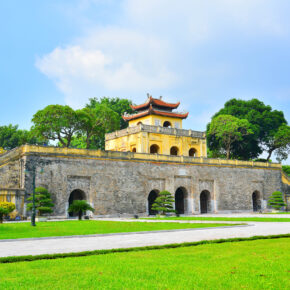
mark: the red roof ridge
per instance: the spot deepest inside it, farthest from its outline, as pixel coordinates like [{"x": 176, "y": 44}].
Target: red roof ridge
[{"x": 157, "y": 102}]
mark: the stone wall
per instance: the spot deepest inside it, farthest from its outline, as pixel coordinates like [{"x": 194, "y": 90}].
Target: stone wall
[{"x": 115, "y": 183}]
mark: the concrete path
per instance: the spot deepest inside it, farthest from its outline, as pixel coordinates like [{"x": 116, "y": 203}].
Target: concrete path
[{"x": 78, "y": 244}]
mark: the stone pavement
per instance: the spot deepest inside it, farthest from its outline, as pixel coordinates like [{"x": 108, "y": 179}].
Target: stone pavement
[{"x": 39, "y": 246}]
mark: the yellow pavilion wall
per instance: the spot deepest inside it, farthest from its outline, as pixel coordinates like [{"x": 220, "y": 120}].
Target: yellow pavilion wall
[{"x": 150, "y": 120}]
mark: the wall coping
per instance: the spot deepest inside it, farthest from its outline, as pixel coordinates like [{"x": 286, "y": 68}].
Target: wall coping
[{"x": 27, "y": 150}]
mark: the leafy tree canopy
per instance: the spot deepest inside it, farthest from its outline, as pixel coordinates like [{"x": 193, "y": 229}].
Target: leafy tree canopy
[
  {"x": 56, "y": 122},
  {"x": 227, "y": 129},
  {"x": 264, "y": 123},
  {"x": 286, "y": 169},
  {"x": 11, "y": 137},
  {"x": 80, "y": 206}
]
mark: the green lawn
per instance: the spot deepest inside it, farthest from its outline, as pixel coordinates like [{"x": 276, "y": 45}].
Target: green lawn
[
  {"x": 242, "y": 219},
  {"x": 69, "y": 228},
  {"x": 260, "y": 264}
]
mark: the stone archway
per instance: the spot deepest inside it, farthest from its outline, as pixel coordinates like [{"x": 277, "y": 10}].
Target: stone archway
[
  {"x": 174, "y": 150},
  {"x": 180, "y": 200},
  {"x": 204, "y": 201},
  {"x": 151, "y": 199},
  {"x": 256, "y": 201},
  {"x": 76, "y": 194},
  {"x": 154, "y": 149},
  {"x": 192, "y": 152}
]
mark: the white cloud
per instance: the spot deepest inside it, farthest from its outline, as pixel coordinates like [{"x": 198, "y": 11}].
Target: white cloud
[{"x": 143, "y": 52}]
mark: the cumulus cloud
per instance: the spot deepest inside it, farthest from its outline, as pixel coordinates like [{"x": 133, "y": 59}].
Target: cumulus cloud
[{"x": 152, "y": 46}]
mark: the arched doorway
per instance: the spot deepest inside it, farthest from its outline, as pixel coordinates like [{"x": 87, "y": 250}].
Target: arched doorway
[
  {"x": 192, "y": 152},
  {"x": 76, "y": 194},
  {"x": 180, "y": 198},
  {"x": 154, "y": 149},
  {"x": 167, "y": 124},
  {"x": 204, "y": 201},
  {"x": 256, "y": 200},
  {"x": 174, "y": 150},
  {"x": 134, "y": 149},
  {"x": 151, "y": 199}
]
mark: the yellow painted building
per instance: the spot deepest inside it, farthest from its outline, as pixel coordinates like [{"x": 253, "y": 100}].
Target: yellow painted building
[{"x": 156, "y": 128}]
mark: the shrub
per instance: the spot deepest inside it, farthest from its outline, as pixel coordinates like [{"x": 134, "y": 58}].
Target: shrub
[
  {"x": 286, "y": 169},
  {"x": 6, "y": 208},
  {"x": 276, "y": 200},
  {"x": 43, "y": 201},
  {"x": 80, "y": 206},
  {"x": 163, "y": 203}
]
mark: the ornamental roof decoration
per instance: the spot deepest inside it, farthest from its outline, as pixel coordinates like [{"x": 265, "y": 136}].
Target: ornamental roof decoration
[{"x": 155, "y": 107}]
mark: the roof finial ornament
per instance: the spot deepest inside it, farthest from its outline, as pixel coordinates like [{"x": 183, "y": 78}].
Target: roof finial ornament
[{"x": 160, "y": 97}]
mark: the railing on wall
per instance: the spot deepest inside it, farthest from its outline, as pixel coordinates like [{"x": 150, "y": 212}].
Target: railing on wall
[{"x": 155, "y": 129}]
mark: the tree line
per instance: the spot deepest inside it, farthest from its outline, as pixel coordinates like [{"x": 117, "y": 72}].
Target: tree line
[{"x": 240, "y": 130}]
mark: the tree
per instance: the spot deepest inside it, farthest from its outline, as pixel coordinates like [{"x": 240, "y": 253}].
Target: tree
[
  {"x": 56, "y": 122},
  {"x": 286, "y": 169},
  {"x": 120, "y": 106},
  {"x": 228, "y": 129},
  {"x": 80, "y": 206},
  {"x": 11, "y": 137},
  {"x": 276, "y": 200},
  {"x": 263, "y": 121},
  {"x": 43, "y": 201},
  {"x": 6, "y": 208},
  {"x": 163, "y": 202},
  {"x": 279, "y": 141},
  {"x": 94, "y": 123}
]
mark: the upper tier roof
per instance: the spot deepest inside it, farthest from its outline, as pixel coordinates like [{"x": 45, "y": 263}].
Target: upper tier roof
[
  {"x": 152, "y": 111},
  {"x": 155, "y": 103}
]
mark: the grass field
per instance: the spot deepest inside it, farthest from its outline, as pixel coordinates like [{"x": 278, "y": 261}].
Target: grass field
[
  {"x": 241, "y": 219},
  {"x": 260, "y": 264},
  {"x": 70, "y": 228}
]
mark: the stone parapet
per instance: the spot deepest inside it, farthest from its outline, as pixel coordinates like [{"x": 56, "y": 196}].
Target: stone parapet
[
  {"x": 27, "y": 150},
  {"x": 155, "y": 129}
]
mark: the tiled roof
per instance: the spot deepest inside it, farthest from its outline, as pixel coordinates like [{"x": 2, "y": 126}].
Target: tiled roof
[{"x": 156, "y": 102}]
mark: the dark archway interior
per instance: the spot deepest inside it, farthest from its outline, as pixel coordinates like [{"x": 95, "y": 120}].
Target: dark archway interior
[
  {"x": 192, "y": 152},
  {"x": 167, "y": 124},
  {"x": 151, "y": 199},
  {"x": 204, "y": 201},
  {"x": 174, "y": 150},
  {"x": 179, "y": 200},
  {"x": 77, "y": 194},
  {"x": 256, "y": 201},
  {"x": 154, "y": 149},
  {"x": 134, "y": 149}
]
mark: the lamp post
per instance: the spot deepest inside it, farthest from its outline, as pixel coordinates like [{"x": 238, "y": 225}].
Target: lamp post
[{"x": 33, "y": 198}]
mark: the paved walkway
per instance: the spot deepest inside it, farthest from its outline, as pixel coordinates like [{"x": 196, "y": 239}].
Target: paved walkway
[{"x": 78, "y": 244}]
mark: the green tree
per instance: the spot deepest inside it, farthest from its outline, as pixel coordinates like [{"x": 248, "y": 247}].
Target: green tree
[
  {"x": 94, "y": 124},
  {"x": 56, "y": 122},
  {"x": 43, "y": 201},
  {"x": 120, "y": 106},
  {"x": 6, "y": 208},
  {"x": 279, "y": 141},
  {"x": 80, "y": 206},
  {"x": 11, "y": 137},
  {"x": 227, "y": 129},
  {"x": 276, "y": 200},
  {"x": 163, "y": 203},
  {"x": 263, "y": 121},
  {"x": 286, "y": 169}
]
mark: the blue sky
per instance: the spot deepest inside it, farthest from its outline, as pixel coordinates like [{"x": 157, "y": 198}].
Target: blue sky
[{"x": 201, "y": 53}]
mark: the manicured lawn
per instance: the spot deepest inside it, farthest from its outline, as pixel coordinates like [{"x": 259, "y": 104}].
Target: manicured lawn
[
  {"x": 241, "y": 219},
  {"x": 70, "y": 228},
  {"x": 260, "y": 264}
]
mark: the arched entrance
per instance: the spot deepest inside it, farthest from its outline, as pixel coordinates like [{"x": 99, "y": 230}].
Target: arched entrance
[
  {"x": 154, "y": 149},
  {"x": 204, "y": 201},
  {"x": 180, "y": 198},
  {"x": 167, "y": 124},
  {"x": 174, "y": 150},
  {"x": 256, "y": 200},
  {"x": 151, "y": 199},
  {"x": 76, "y": 194},
  {"x": 192, "y": 152}
]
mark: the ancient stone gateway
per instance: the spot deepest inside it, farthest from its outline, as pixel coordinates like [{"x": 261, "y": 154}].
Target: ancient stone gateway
[{"x": 117, "y": 183}]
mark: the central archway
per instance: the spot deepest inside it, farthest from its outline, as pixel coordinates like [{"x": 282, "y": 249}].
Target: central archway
[
  {"x": 180, "y": 198},
  {"x": 256, "y": 200},
  {"x": 204, "y": 201},
  {"x": 154, "y": 149},
  {"x": 151, "y": 199},
  {"x": 174, "y": 150},
  {"x": 76, "y": 194}
]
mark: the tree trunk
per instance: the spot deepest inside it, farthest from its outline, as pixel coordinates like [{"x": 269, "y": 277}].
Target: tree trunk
[
  {"x": 270, "y": 153},
  {"x": 1, "y": 218},
  {"x": 228, "y": 152},
  {"x": 80, "y": 215}
]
